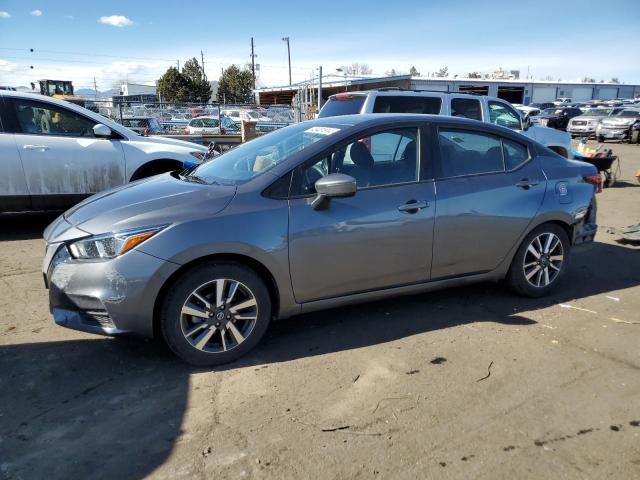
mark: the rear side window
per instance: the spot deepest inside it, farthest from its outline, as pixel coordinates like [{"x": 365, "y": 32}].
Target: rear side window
[
  {"x": 515, "y": 154},
  {"x": 342, "y": 104},
  {"x": 467, "y": 108},
  {"x": 407, "y": 104},
  {"x": 465, "y": 152}
]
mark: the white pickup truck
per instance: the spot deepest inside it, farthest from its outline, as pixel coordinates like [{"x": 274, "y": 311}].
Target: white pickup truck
[{"x": 476, "y": 107}]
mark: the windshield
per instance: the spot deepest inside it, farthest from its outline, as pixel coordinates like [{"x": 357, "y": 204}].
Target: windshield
[
  {"x": 253, "y": 115},
  {"x": 342, "y": 104},
  {"x": 549, "y": 111},
  {"x": 598, "y": 112},
  {"x": 260, "y": 155},
  {"x": 629, "y": 113}
]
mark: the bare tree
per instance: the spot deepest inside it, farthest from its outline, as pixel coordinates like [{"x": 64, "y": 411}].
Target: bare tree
[
  {"x": 474, "y": 75},
  {"x": 588, "y": 80},
  {"x": 359, "y": 69},
  {"x": 614, "y": 80},
  {"x": 391, "y": 73},
  {"x": 414, "y": 72}
]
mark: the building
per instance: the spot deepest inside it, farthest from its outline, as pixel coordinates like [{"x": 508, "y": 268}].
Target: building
[
  {"x": 511, "y": 89},
  {"x": 136, "y": 93}
]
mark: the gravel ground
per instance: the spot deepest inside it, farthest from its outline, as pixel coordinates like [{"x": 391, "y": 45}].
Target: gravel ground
[{"x": 467, "y": 383}]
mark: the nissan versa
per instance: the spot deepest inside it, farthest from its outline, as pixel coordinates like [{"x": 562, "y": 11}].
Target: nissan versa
[{"x": 316, "y": 215}]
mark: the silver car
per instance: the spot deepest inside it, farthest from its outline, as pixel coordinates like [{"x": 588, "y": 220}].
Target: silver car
[
  {"x": 317, "y": 215},
  {"x": 585, "y": 124}
]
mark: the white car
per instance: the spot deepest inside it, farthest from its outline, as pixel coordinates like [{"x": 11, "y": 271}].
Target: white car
[
  {"x": 249, "y": 115},
  {"x": 476, "y": 107},
  {"x": 54, "y": 153},
  {"x": 562, "y": 100},
  {"x": 203, "y": 125}
]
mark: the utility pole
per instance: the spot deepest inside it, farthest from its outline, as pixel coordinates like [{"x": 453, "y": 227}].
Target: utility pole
[
  {"x": 95, "y": 89},
  {"x": 202, "y": 57},
  {"x": 286, "y": 39},
  {"x": 178, "y": 63},
  {"x": 253, "y": 65},
  {"x": 319, "y": 88}
]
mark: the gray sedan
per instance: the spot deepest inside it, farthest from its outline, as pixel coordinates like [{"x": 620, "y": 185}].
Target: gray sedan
[{"x": 317, "y": 215}]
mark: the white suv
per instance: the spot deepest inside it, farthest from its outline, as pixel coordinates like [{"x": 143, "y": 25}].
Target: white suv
[
  {"x": 476, "y": 107},
  {"x": 54, "y": 153}
]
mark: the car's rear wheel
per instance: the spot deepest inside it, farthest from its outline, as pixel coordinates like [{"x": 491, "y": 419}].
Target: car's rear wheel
[
  {"x": 600, "y": 139},
  {"x": 215, "y": 313},
  {"x": 635, "y": 136},
  {"x": 541, "y": 261}
]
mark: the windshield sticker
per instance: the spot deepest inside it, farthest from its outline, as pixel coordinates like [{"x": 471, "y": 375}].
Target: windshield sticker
[{"x": 322, "y": 130}]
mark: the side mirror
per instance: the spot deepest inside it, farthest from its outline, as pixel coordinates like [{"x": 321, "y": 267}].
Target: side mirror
[
  {"x": 526, "y": 123},
  {"x": 334, "y": 185},
  {"x": 101, "y": 131}
]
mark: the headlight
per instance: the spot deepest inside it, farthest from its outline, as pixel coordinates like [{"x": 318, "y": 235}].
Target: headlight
[
  {"x": 111, "y": 245},
  {"x": 198, "y": 155}
]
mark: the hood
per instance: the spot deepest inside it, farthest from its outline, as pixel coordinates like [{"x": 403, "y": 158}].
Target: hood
[
  {"x": 622, "y": 122},
  {"x": 171, "y": 141},
  {"x": 154, "y": 201}
]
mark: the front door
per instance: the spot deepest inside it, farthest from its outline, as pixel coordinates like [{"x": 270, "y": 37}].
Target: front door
[
  {"x": 63, "y": 162},
  {"x": 379, "y": 238},
  {"x": 489, "y": 188}
]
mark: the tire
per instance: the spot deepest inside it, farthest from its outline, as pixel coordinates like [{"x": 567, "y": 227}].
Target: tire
[
  {"x": 600, "y": 139},
  {"x": 517, "y": 278},
  {"x": 214, "y": 335},
  {"x": 635, "y": 136}
]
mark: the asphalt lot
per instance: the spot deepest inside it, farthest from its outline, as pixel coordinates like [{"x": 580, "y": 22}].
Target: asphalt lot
[{"x": 467, "y": 383}]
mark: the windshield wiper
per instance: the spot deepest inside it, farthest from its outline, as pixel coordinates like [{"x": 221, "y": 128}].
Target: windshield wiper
[{"x": 193, "y": 179}]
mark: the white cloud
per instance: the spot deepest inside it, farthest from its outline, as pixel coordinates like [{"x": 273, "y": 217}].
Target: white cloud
[
  {"x": 5, "y": 15},
  {"x": 36, "y": 13},
  {"x": 116, "y": 21},
  {"x": 69, "y": 17}
]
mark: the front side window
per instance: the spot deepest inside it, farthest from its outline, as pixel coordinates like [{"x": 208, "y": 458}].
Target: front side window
[
  {"x": 503, "y": 115},
  {"x": 39, "y": 118},
  {"x": 467, "y": 108},
  {"x": 385, "y": 158},
  {"x": 407, "y": 104},
  {"x": 465, "y": 152}
]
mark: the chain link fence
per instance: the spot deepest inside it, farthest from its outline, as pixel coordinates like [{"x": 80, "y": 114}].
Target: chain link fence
[{"x": 182, "y": 118}]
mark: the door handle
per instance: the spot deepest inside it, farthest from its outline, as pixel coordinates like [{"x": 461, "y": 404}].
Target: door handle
[
  {"x": 526, "y": 184},
  {"x": 413, "y": 206},
  {"x": 36, "y": 147}
]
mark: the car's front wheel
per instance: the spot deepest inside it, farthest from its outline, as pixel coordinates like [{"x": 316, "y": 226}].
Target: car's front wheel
[
  {"x": 215, "y": 313},
  {"x": 541, "y": 261}
]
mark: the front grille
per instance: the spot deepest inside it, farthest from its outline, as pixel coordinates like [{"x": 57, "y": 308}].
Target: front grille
[
  {"x": 579, "y": 122},
  {"x": 96, "y": 318}
]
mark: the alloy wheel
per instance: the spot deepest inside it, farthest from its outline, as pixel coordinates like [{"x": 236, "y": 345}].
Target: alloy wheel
[
  {"x": 219, "y": 315},
  {"x": 543, "y": 260}
]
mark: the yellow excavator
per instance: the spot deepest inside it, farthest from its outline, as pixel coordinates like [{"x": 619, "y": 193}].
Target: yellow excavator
[{"x": 61, "y": 89}]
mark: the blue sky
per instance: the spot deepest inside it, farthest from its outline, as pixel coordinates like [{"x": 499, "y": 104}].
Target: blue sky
[{"x": 138, "y": 40}]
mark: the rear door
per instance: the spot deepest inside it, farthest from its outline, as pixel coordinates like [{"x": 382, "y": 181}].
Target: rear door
[
  {"x": 14, "y": 195},
  {"x": 489, "y": 188},
  {"x": 63, "y": 162}
]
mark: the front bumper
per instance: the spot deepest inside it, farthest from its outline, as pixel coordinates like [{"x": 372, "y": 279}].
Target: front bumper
[
  {"x": 576, "y": 129},
  {"x": 107, "y": 297},
  {"x": 613, "y": 133}
]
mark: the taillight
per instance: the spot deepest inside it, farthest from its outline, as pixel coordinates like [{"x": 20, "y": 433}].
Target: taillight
[
  {"x": 147, "y": 132},
  {"x": 186, "y": 131},
  {"x": 595, "y": 180}
]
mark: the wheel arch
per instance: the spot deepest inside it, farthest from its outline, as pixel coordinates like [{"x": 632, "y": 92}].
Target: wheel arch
[
  {"x": 158, "y": 165},
  {"x": 560, "y": 150},
  {"x": 259, "y": 268}
]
